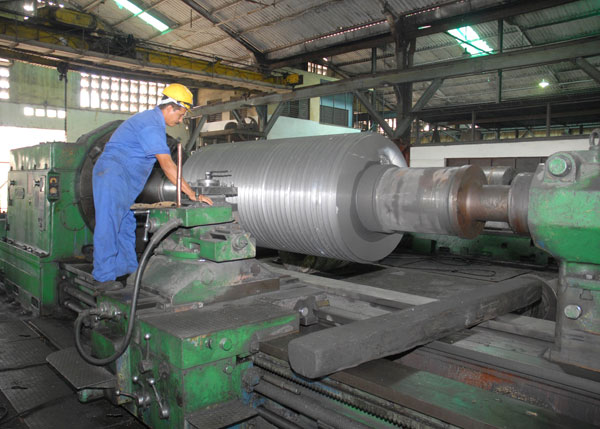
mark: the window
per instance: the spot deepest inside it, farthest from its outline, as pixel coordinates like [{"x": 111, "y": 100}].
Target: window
[
  {"x": 334, "y": 116},
  {"x": 297, "y": 109},
  {"x": 41, "y": 112},
  {"x": 118, "y": 95},
  {"x": 4, "y": 79},
  {"x": 317, "y": 68},
  {"x": 215, "y": 117},
  {"x": 472, "y": 44}
]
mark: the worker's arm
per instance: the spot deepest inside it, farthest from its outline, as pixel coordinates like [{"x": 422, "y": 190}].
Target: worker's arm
[{"x": 170, "y": 170}]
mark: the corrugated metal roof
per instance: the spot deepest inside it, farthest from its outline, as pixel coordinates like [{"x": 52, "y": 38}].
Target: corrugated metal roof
[{"x": 284, "y": 28}]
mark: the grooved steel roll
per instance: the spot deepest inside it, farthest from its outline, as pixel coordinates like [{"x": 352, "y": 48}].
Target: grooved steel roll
[{"x": 298, "y": 194}]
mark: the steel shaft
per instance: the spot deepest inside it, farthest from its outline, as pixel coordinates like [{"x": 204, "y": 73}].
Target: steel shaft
[{"x": 331, "y": 350}]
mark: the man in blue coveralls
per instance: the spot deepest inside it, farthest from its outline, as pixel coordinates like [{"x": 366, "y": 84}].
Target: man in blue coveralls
[{"x": 120, "y": 175}]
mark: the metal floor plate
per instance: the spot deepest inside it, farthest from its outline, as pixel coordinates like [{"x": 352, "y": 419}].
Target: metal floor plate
[
  {"x": 58, "y": 332},
  {"x": 31, "y": 387},
  {"x": 78, "y": 372},
  {"x": 17, "y": 354},
  {"x": 16, "y": 330},
  {"x": 221, "y": 415},
  {"x": 70, "y": 413}
]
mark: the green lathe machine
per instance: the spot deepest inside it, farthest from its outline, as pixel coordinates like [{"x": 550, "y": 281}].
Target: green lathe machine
[{"x": 204, "y": 335}]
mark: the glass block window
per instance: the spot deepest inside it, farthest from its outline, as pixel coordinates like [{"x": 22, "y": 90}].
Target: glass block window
[
  {"x": 118, "y": 95},
  {"x": 44, "y": 112},
  {"x": 4, "y": 80}
]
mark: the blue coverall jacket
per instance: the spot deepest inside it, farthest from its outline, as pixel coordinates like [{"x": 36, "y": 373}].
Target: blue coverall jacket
[{"x": 119, "y": 176}]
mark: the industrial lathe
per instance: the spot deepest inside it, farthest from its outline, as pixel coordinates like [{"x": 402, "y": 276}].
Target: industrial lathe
[{"x": 207, "y": 335}]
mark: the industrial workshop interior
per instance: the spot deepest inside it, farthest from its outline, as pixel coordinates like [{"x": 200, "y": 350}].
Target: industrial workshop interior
[{"x": 351, "y": 214}]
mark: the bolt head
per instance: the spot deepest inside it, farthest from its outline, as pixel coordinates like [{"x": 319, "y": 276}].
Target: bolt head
[
  {"x": 226, "y": 344},
  {"x": 303, "y": 311},
  {"x": 573, "y": 311},
  {"x": 228, "y": 369},
  {"x": 559, "y": 166}
]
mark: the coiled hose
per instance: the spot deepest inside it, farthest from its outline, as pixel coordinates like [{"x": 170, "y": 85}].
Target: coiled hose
[{"x": 156, "y": 238}]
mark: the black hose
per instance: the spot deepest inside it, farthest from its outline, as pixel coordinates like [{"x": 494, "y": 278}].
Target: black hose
[{"x": 156, "y": 238}]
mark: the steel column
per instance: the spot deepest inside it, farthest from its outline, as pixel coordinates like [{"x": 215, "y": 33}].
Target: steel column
[
  {"x": 375, "y": 114},
  {"x": 273, "y": 118},
  {"x": 404, "y": 124}
]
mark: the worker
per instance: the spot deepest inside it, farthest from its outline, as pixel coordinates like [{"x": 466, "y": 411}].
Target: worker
[{"x": 120, "y": 175}]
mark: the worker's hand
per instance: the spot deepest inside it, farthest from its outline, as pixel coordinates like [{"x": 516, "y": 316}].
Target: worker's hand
[
  {"x": 200, "y": 198},
  {"x": 205, "y": 200}
]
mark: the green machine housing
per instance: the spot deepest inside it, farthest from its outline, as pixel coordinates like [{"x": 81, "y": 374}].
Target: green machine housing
[{"x": 46, "y": 221}]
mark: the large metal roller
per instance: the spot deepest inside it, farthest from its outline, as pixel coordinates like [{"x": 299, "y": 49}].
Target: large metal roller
[
  {"x": 348, "y": 196},
  {"x": 299, "y": 194}
]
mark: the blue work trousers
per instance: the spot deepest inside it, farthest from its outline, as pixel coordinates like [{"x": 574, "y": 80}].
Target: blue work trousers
[{"x": 114, "y": 234}]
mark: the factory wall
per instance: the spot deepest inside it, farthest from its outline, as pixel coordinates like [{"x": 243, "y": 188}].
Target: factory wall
[
  {"x": 292, "y": 127},
  {"x": 40, "y": 87},
  {"x": 436, "y": 155}
]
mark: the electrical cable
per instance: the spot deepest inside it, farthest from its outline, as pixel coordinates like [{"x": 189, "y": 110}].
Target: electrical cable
[{"x": 156, "y": 238}]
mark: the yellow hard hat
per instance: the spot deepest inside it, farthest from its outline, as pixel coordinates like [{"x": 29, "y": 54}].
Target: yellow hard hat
[{"x": 180, "y": 94}]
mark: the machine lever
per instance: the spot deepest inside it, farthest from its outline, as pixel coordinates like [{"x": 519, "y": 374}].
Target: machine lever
[
  {"x": 145, "y": 364},
  {"x": 164, "y": 410},
  {"x": 140, "y": 400},
  {"x": 147, "y": 226}
]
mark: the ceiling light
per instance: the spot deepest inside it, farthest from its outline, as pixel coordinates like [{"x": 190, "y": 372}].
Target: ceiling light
[
  {"x": 129, "y": 6},
  {"x": 153, "y": 22},
  {"x": 144, "y": 16},
  {"x": 543, "y": 83},
  {"x": 28, "y": 7}
]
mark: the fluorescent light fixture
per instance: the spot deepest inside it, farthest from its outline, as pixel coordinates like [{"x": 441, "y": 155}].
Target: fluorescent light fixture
[
  {"x": 154, "y": 22},
  {"x": 474, "y": 45},
  {"x": 543, "y": 83},
  {"x": 144, "y": 16},
  {"x": 129, "y": 6},
  {"x": 28, "y": 7},
  {"x": 423, "y": 27}
]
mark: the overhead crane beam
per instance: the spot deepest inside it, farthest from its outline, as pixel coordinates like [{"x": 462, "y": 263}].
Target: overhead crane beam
[{"x": 65, "y": 46}]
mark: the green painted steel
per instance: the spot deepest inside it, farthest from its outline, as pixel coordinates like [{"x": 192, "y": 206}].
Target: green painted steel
[
  {"x": 564, "y": 220},
  {"x": 197, "y": 357},
  {"x": 193, "y": 216},
  {"x": 44, "y": 225},
  {"x": 216, "y": 243}
]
